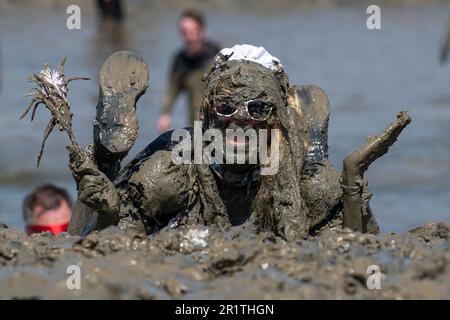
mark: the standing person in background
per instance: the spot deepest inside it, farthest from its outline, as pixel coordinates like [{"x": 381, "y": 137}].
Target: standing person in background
[
  {"x": 110, "y": 9},
  {"x": 112, "y": 34},
  {"x": 1, "y": 75},
  {"x": 188, "y": 66},
  {"x": 47, "y": 208},
  {"x": 445, "y": 45}
]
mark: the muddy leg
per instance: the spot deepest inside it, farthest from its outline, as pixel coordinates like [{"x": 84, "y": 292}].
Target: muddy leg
[
  {"x": 357, "y": 215},
  {"x": 123, "y": 79}
]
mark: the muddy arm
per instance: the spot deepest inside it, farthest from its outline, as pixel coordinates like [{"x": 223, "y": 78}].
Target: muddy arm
[
  {"x": 356, "y": 197},
  {"x": 98, "y": 203}
]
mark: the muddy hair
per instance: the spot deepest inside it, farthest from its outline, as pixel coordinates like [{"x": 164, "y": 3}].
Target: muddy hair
[
  {"x": 195, "y": 15},
  {"x": 278, "y": 205}
]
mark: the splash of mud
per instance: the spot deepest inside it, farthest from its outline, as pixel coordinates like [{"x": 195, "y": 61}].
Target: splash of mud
[{"x": 203, "y": 263}]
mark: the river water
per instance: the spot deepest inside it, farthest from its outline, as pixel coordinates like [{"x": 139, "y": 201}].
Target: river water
[{"x": 369, "y": 75}]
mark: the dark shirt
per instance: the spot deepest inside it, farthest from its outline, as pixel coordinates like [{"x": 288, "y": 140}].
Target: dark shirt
[
  {"x": 110, "y": 9},
  {"x": 186, "y": 74}
]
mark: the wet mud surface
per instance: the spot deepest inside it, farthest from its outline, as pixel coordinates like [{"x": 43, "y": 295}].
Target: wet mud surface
[{"x": 205, "y": 263}]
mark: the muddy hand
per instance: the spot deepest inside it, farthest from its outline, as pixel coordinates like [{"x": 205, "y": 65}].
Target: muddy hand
[
  {"x": 94, "y": 189},
  {"x": 97, "y": 192},
  {"x": 356, "y": 196}
]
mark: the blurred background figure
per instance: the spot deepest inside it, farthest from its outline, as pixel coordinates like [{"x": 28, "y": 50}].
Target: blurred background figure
[
  {"x": 1, "y": 67},
  {"x": 112, "y": 33},
  {"x": 110, "y": 9},
  {"x": 47, "y": 208},
  {"x": 445, "y": 46},
  {"x": 188, "y": 66}
]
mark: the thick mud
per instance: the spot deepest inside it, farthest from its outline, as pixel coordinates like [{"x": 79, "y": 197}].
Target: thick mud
[{"x": 205, "y": 263}]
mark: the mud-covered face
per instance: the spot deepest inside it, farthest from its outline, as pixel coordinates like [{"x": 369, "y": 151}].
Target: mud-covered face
[{"x": 243, "y": 96}]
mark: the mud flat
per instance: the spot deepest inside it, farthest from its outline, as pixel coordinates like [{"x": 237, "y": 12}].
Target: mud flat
[{"x": 204, "y": 263}]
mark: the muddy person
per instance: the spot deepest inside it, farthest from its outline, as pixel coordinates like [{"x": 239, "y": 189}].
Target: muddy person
[
  {"x": 188, "y": 66},
  {"x": 47, "y": 208},
  {"x": 246, "y": 88}
]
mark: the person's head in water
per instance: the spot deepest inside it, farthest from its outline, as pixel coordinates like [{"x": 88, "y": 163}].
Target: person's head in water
[
  {"x": 47, "y": 208},
  {"x": 191, "y": 24}
]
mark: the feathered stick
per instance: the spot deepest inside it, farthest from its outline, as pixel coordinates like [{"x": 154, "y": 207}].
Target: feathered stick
[{"x": 51, "y": 90}]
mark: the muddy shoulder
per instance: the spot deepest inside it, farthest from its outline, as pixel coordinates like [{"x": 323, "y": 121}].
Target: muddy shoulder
[{"x": 202, "y": 262}]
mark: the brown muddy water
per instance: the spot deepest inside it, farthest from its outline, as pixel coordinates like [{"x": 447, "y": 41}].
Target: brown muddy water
[
  {"x": 204, "y": 263},
  {"x": 368, "y": 75}
]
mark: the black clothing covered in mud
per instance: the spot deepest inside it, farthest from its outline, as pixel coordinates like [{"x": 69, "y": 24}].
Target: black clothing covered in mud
[
  {"x": 157, "y": 193},
  {"x": 169, "y": 194},
  {"x": 186, "y": 75}
]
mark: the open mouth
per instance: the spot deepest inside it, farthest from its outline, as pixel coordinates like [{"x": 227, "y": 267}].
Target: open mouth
[
  {"x": 238, "y": 140},
  {"x": 246, "y": 137}
]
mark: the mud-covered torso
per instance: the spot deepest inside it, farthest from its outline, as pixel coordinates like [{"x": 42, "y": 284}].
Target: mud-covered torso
[
  {"x": 238, "y": 196},
  {"x": 159, "y": 193},
  {"x": 238, "y": 202}
]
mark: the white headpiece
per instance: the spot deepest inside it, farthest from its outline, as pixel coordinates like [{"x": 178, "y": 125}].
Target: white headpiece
[{"x": 252, "y": 53}]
